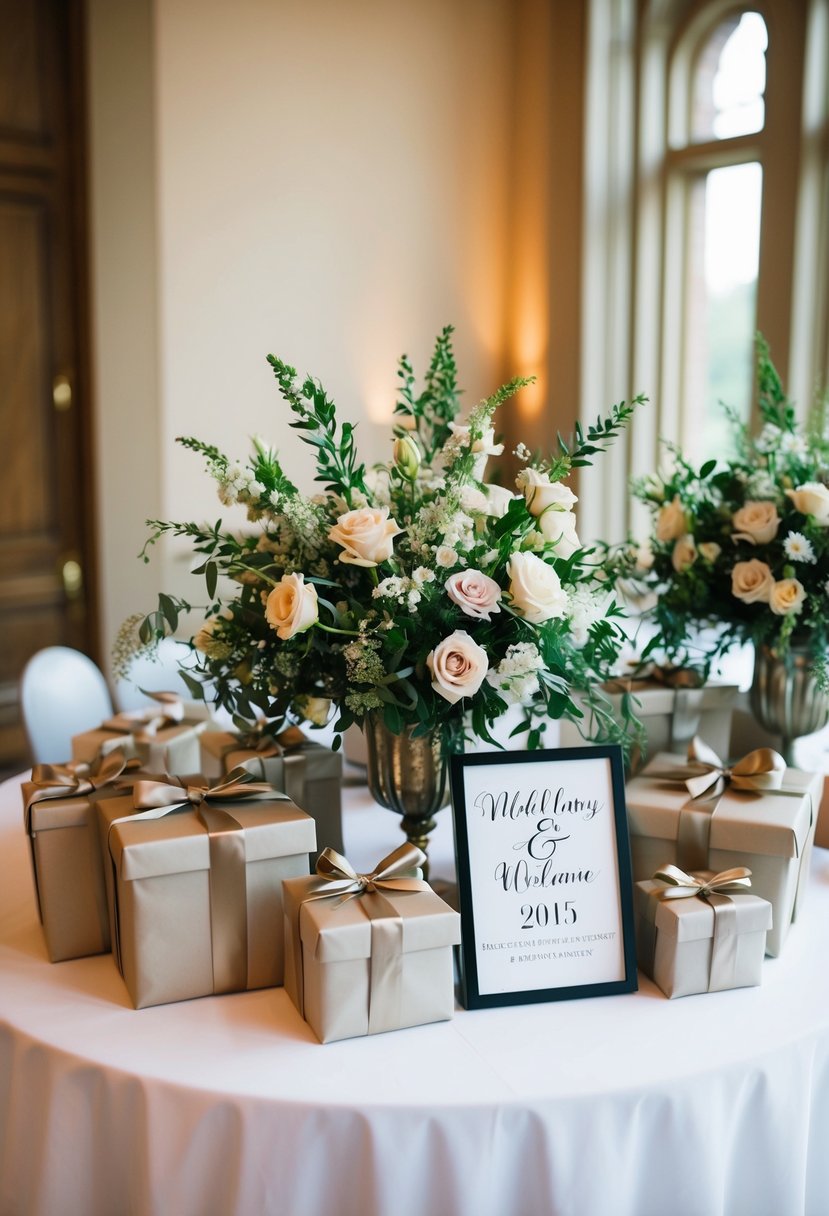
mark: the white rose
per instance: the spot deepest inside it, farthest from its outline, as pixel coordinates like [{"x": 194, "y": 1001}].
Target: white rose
[
  {"x": 475, "y": 593},
  {"x": 752, "y": 582},
  {"x": 292, "y": 606},
  {"x": 787, "y": 596},
  {"x": 535, "y": 588},
  {"x": 559, "y": 528},
  {"x": 684, "y": 554},
  {"x": 366, "y": 535},
  {"x": 756, "y": 522},
  {"x": 458, "y": 666},
  {"x": 709, "y": 551},
  {"x": 672, "y": 521},
  {"x": 812, "y": 498},
  {"x": 498, "y": 499},
  {"x": 541, "y": 493},
  {"x": 473, "y": 499}
]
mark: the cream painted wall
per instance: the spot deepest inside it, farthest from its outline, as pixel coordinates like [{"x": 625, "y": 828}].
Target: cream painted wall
[{"x": 325, "y": 179}]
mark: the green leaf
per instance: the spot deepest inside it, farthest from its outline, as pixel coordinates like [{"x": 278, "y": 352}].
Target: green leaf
[
  {"x": 169, "y": 610},
  {"x": 211, "y": 577}
]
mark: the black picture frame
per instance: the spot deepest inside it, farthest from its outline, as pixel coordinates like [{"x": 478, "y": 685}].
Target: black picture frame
[{"x": 478, "y": 881}]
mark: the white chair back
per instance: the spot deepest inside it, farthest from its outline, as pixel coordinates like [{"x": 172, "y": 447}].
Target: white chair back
[{"x": 62, "y": 693}]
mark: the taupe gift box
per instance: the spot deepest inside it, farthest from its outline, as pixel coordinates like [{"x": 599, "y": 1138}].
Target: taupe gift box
[
  {"x": 164, "y": 739},
  {"x": 368, "y": 954},
  {"x": 770, "y": 832},
  {"x": 198, "y": 889},
  {"x": 672, "y": 717},
  {"x": 710, "y": 941},
  {"x": 68, "y": 871},
  {"x": 311, "y": 775}
]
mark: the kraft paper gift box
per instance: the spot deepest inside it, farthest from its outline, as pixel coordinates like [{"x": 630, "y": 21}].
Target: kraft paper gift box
[
  {"x": 197, "y": 906},
  {"x": 60, "y": 819},
  {"x": 695, "y": 944},
  {"x": 379, "y": 960},
  {"x": 311, "y": 775},
  {"x": 162, "y": 744},
  {"x": 671, "y": 717},
  {"x": 770, "y": 832}
]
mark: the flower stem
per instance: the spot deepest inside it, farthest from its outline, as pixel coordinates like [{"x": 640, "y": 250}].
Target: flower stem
[{"x": 349, "y": 633}]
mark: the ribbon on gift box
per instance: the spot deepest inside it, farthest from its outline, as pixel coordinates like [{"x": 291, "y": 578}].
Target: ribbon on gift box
[
  {"x": 73, "y": 779},
  {"x": 706, "y": 779},
  {"x": 716, "y": 890},
  {"x": 687, "y": 686},
  {"x": 227, "y": 875},
  {"x": 290, "y": 745},
  {"x": 339, "y": 880},
  {"x": 144, "y": 724}
]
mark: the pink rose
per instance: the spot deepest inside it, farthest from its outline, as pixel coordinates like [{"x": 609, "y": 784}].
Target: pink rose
[
  {"x": 458, "y": 666},
  {"x": 475, "y": 593},
  {"x": 366, "y": 535}
]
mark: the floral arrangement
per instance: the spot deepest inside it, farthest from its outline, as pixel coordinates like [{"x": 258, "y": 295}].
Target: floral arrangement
[
  {"x": 743, "y": 544},
  {"x": 414, "y": 589}
]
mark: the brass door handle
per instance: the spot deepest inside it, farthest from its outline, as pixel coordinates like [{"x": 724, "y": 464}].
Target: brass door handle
[
  {"x": 61, "y": 393},
  {"x": 71, "y": 573}
]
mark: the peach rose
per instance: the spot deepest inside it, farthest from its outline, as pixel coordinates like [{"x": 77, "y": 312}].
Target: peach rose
[
  {"x": 458, "y": 666},
  {"x": 541, "y": 493},
  {"x": 683, "y": 554},
  {"x": 756, "y": 522},
  {"x": 812, "y": 498},
  {"x": 672, "y": 521},
  {"x": 559, "y": 528},
  {"x": 475, "y": 593},
  {"x": 535, "y": 589},
  {"x": 787, "y": 596},
  {"x": 752, "y": 582},
  {"x": 292, "y": 606},
  {"x": 366, "y": 535},
  {"x": 709, "y": 551}
]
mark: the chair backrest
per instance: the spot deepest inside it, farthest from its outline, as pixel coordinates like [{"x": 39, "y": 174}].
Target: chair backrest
[{"x": 62, "y": 693}]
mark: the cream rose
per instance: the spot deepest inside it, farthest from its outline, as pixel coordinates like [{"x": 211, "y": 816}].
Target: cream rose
[
  {"x": 709, "y": 551},
  {"x": 535, "y": 589},
  {"x": 559, "y": 528},
  {"x": 498, "y": 500},
  {"x": 672, "y": 521},
  {"x": 812, "y": 498},
  {"x": 752, "y": 582},
  {"x": 366, "y": 535},
  {"x": 787, "y": 596},
  {"x": 541, "y": 493},
  {"x": 292, "y": 606},
  {"x": 683, "y": 554},
  {"x": 458, "y": 666},
  {"x": 475, "y": 593},
  {"x": 756, "y": 522}
]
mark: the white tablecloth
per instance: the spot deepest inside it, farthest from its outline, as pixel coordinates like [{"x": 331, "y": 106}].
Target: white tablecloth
[{"x": 622, "y": 1106}]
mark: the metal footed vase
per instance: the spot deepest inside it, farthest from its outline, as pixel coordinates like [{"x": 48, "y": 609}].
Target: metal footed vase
[
  {"x": 785, "y": 697},
  {"x": 409, "y": 776}
]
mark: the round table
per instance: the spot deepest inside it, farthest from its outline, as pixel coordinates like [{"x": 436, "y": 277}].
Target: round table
[{"x": 619, "y": 1106}]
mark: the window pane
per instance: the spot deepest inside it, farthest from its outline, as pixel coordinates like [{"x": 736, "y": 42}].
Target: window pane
[
  {"x": 724, "y": 245},
  {"x": 730, "y": 80}
]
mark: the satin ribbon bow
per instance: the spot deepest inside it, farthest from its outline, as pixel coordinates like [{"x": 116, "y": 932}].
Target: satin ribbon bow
[
  {"x": 73, "y": 779},
  {"x": 172, "y": 792},
  {"x": 684, "y": 886},
  {"x": 393, "y": 873},
  {"x": 707, "y": 777},
  {"x": 146, "y": 723}
]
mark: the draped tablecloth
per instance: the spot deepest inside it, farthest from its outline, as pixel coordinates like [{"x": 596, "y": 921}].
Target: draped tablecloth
[{"x": 620, "y": 1106}]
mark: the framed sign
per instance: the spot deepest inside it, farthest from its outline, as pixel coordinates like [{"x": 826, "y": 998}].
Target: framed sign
[{"x": 544, "y": 876}]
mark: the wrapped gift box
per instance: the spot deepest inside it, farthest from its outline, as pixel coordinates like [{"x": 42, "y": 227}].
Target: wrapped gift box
[
  {"x": 336, "y": 972},
  {"x": 770, "y": 832},
  {"x": 67, "y": 861},
  {"x": 311, "y": 775},
  {"x": 683, "y": 948},
  {"x": 671, "y": 716},
  {"x": 182, "y": 913},
  {"x": 161, "y": 746}
]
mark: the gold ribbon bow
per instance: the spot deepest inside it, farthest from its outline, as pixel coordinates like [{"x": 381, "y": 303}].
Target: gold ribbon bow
[
  {"x": 716, "y": 891},
  {"x": 396, "y": 872},
  {"x": 227, "y": 875},
  {"x": 145, "y": 724}
]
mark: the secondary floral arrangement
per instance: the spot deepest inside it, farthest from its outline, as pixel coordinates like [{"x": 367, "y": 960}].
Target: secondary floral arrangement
[
  {"x": 743, "y": 544},
  {"x": 414, "y": 589}
]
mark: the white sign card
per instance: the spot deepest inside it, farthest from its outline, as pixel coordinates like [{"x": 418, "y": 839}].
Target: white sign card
[{"x": 544, "y": 875}]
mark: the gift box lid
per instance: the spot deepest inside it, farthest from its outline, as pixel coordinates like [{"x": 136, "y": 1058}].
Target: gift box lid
[
  {"x": 657, "y": 698},
  {"x": 334, "y": 931},
  {"x": 775, "y": 823},
  {"x": 178, "y": 842},
  {"x": 691, "y": 919},
  {"x": 69, "y": 812}
]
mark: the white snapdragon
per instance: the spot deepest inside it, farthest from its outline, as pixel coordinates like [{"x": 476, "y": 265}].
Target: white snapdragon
[
  {"x": 586, "y": 607},
  {"x": 769, "y": 438},
  {"x": 392, "y": 588},
  {"x": 516, "y": 677}
]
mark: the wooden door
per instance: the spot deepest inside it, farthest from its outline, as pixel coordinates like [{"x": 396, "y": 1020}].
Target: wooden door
[{"x": 46, "y": 588}]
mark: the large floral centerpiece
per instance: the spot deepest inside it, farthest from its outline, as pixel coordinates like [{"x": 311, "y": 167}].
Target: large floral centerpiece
[
  {"x": 415, "y": 590},
  {"x": 739, "y": 550}
]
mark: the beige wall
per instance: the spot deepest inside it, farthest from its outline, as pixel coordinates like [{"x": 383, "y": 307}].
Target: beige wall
[{"x": 325, "y": 179}]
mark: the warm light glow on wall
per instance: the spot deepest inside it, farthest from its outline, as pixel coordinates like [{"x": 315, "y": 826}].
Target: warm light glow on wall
[{"x": 530, "y": 336}]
